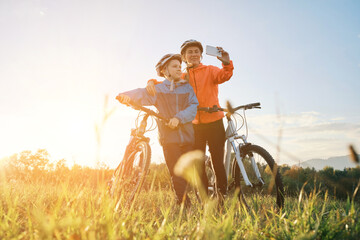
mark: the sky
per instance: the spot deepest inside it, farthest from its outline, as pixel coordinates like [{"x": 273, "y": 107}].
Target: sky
[{"x": 63, "y": 62}]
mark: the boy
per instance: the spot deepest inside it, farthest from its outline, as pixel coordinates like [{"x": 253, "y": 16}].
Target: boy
[{"x": 175, "y": 100}]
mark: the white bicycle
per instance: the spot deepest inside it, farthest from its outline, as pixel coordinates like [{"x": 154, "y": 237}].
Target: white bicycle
[{"x": 249, "y": 168}]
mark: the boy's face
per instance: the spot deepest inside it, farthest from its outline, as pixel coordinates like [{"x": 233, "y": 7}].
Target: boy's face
[
  {"x": 193, "y": 56},
  {"x": 173, "y": 69}
]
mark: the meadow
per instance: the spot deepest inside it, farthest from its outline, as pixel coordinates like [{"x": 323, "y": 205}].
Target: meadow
[{"x": 56, "y": 206}]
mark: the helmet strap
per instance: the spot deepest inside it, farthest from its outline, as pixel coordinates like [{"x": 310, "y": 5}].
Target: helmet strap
[{"x": 171, "y": 81}]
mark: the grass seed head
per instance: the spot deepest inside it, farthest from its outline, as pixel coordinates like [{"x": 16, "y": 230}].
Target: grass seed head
[
  {"x": 353, "y": 155},
  {"x": 190, "y": 167}
]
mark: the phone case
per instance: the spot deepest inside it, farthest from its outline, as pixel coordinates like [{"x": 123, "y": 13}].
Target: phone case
[{"x": 212, "y": 51}]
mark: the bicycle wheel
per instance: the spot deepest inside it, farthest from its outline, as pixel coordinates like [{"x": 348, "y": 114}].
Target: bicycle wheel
[
  {"x": 130, "y": 174},
  {"x": 272, "y": 190}
]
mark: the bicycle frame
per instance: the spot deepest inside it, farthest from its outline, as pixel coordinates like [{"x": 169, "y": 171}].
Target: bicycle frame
[
  {"x": 244, "y": 151},
  {"x": 136, "y": 135},
  {"x": 231, "y": 135},
  {"x": 138, "y": 132}
]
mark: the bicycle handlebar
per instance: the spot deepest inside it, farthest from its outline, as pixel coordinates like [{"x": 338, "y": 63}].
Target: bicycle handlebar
[
  {"x": 229, "y": 109},
  {"x": 147, "y": 110}
]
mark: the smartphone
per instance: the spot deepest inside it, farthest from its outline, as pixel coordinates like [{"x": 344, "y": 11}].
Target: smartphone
[{"x": 213, "y": 51}]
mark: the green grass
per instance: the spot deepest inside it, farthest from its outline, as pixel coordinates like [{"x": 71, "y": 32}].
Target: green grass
[{"x": 79, "y": 211}]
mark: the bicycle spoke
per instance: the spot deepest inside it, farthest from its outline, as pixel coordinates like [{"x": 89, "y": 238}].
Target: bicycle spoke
[
  {"x": 129, "y": 178},
  {"x": 265, "y": 178}
]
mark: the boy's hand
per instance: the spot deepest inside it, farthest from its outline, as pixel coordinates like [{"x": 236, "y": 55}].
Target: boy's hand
[
  {"x": 123, "y": 99},
  {"x": 150, "y": 88},
  {"x": 225, "y": 58},
  {"x": 173, "y": 123}
]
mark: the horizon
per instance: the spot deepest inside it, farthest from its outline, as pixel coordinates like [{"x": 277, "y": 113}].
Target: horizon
[{"x": 303, "y": 164}]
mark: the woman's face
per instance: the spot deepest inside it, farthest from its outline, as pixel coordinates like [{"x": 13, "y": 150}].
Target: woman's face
[
  {"x": 173, "y": 69},
  {"x": 193, "y": 56}
]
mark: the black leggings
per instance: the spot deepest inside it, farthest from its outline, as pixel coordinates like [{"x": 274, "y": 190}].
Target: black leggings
[
  {"x": 213, "y": 134},
  {"x": 172, "y": 153}
]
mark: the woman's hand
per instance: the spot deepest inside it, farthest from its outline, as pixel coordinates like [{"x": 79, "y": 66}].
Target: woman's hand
[
  {"x": 225, "y": 58},
  {"x": 173, "y": 123},
  {"x": 150, "y": 88},
  {"x": 123, "y": 99}
]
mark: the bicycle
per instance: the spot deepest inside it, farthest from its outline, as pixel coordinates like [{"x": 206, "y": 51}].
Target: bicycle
[
  {"x": 247, "y": 168},
  {"x": 130, "y": 174}
]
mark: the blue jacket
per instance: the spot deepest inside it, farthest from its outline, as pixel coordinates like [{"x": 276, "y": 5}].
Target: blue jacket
[{"x": 180, "y": 103}]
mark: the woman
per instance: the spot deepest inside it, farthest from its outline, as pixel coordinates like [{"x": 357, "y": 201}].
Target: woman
[
  {"x": 209, "y": 128},
  {"x": 176, "y": 101}
]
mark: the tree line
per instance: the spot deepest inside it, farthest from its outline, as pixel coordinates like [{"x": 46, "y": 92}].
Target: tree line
[{"x": 37, "y": 168}]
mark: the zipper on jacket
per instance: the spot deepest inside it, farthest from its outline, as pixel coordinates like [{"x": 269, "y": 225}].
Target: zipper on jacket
[
  {"x": 177, "y": 110},
  {"x": 195, "y": 89}
]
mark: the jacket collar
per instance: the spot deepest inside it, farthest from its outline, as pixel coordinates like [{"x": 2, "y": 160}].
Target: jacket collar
[
  {"x": 198, "y": 67},
  {"x": 172, "y": 85},
  {"x": 181, "y": 81}
]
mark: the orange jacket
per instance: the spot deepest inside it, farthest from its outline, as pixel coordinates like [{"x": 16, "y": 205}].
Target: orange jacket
[{"x": 205, "y": 80}]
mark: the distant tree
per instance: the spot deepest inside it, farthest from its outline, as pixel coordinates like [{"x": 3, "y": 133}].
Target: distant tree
[
  {"x": 34, "y": 162},
  {"x": 28, "y": 166},
  {"x": 283, "y": 168}
]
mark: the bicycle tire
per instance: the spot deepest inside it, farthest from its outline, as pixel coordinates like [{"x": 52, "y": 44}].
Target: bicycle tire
[
  {"x": 273, "y": 181},
  {"x": 129, "y": 176}
]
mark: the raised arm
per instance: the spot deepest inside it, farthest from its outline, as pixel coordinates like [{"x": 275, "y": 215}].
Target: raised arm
[
  {"x": 223, "y": 74},
  {"x": 225, "y": 57}
]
